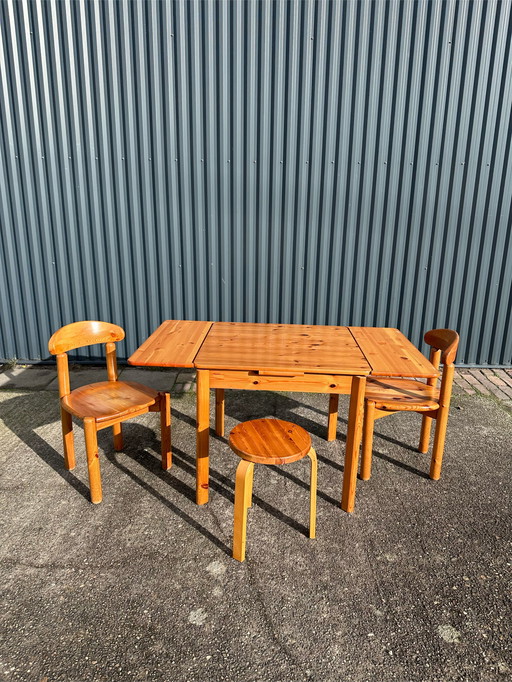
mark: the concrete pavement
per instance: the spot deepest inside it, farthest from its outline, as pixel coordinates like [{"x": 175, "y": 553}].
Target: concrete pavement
[{"x": 414, "y": 585}]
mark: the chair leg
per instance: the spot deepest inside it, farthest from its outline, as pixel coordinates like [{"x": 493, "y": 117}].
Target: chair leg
[
  {"x": 366, "y": 458},
  {"x": 219, "y": 411},
  {"x": 439, "y": 439},
  {"x": 243, "y": 493},
  {"x": 333, "y": 416},
  {"x": 117, "y": 430},
  {"x": 426, "y": 425},
  {"x": 67, "y": 437},
  {"x": 93, "y": 461},
  {"x": 165, "y": 430},
  {"x": 312, "y": 494}
]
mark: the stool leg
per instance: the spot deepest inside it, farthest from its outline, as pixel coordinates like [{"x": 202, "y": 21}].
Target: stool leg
[
  {"x": 243, "y": 492},
  {"x": 248, "y": 487},
  {"x": 312, "y": 494}
]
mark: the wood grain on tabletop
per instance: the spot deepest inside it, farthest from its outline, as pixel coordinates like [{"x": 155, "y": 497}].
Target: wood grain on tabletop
[
  {"x": 290, "y": 348},
  {"x": 390, "y": 353},
  {"x": 174, "y": 344}
]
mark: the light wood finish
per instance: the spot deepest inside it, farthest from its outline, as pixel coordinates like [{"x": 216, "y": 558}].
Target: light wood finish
[
  {"x": 266, "y": 441},
  {"x": 219, "y": 411},
  {"x": 274, "y": 357},
  {"x": 441, "y": 417},
  {"x": 67, "y": 437},
  {"x": 426, "y": 421},
  {"x": 410, "y": 395},
  {"x": 312, "y": 492},
  {"x": 93, "y": 459},
  {"x": 366, "y": 458},
  {"x": 279, "y": 348},
  {"x": 174, "y": 344},
  {"x": 305, "y": 383},
  {"x": 86, "y": 333},
  {"x": 355, "y": 419},
  {"x": 117, "y": 431},
  {"x": 390, "y": 354},
  {"x": 387, "y": 396},
  {"x": 332, "y": 423},
  {"x": 103, "y": 404},
  {"x": 446, "y": 341},
  {"x": 243, "y": 495},
  {"x": 269, "y": 441},
  {"x": 165, "y": 430},
  {"x": 107, "y": 400},
  {"x": 203, "y": 436}
]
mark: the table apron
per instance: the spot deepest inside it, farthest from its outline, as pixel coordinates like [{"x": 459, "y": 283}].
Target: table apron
[{"x": 302, "y": 383}]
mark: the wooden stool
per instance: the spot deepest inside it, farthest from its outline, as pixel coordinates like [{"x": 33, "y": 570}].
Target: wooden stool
[{"x": 266, "y": 441}]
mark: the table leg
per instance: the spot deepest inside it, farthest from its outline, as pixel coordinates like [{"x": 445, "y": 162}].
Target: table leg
[
  {"x": 333, "y": 416},
  {"x": 355, "y": 421},
  {"x": 219, "y": 411},
  {"x": 203, "y": 434}
]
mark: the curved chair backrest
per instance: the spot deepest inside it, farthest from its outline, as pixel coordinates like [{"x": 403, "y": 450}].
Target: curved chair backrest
[
  {"x": 445, "y": 340},
  {"x": 87, "y": 333}
]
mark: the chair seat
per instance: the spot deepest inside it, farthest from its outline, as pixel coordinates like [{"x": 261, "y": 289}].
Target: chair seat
[
  {"x": 270, "y": 441},
  {"x": 401, "y": 394},
  {"x": 107, "y": 400}
]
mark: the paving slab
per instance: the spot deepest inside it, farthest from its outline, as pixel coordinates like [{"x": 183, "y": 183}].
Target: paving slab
[
  {"x": 411, "y": 587},
  {"x": 80, "y": 376},
  {"x": 26, "y": 377},
  {"x": 160, "y": 380}
]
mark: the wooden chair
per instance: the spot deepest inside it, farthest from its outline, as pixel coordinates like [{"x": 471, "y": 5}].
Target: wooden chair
[
  {"x": 266, "y": 441},
  {"x": 387, "y": 396},
  {"x": 107, "y": 403}
]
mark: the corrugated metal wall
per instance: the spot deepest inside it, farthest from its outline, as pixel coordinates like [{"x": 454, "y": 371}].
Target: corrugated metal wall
[{"x": 328, "y": 162}]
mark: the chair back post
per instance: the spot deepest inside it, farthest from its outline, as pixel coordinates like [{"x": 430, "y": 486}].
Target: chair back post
[
  {"x": 110, "y": 351},
  {"x": 435, "y": 359},
  {"x": 444, "y": 342},
  {"x": 445, "y": 391},
  {"x": 63, "y": 374}
]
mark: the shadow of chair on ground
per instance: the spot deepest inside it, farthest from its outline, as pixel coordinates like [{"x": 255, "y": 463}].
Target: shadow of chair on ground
[
  {"x": 25, "y": 415},
  {"x": 282, "y": 406}
]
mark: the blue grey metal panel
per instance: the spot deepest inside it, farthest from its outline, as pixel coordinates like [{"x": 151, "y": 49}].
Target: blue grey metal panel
[{"x": 316, "y": 162}]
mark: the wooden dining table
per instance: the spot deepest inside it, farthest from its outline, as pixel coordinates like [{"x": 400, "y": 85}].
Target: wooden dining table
[{"x": 282, "y": 357}]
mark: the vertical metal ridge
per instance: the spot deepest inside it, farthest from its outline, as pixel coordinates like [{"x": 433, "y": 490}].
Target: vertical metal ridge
[{"x": 319, "y": 162}]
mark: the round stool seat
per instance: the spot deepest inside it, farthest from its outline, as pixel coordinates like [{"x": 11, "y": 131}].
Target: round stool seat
[{"x": 270, "y": 441}]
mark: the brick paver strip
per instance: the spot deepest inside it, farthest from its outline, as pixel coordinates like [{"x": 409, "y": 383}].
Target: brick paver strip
[
  {"x": 474, "y": 382},
  {"x": 507, "y": 378},
  {"x": 489, "y": 373},
  {"x": 492, "y": 387},
  {"x": 497, "y": 379},
  {"x": 460, "y": 381},
  {"x": 505, "y": 387},
  {"x": 507, "y": 390}
]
